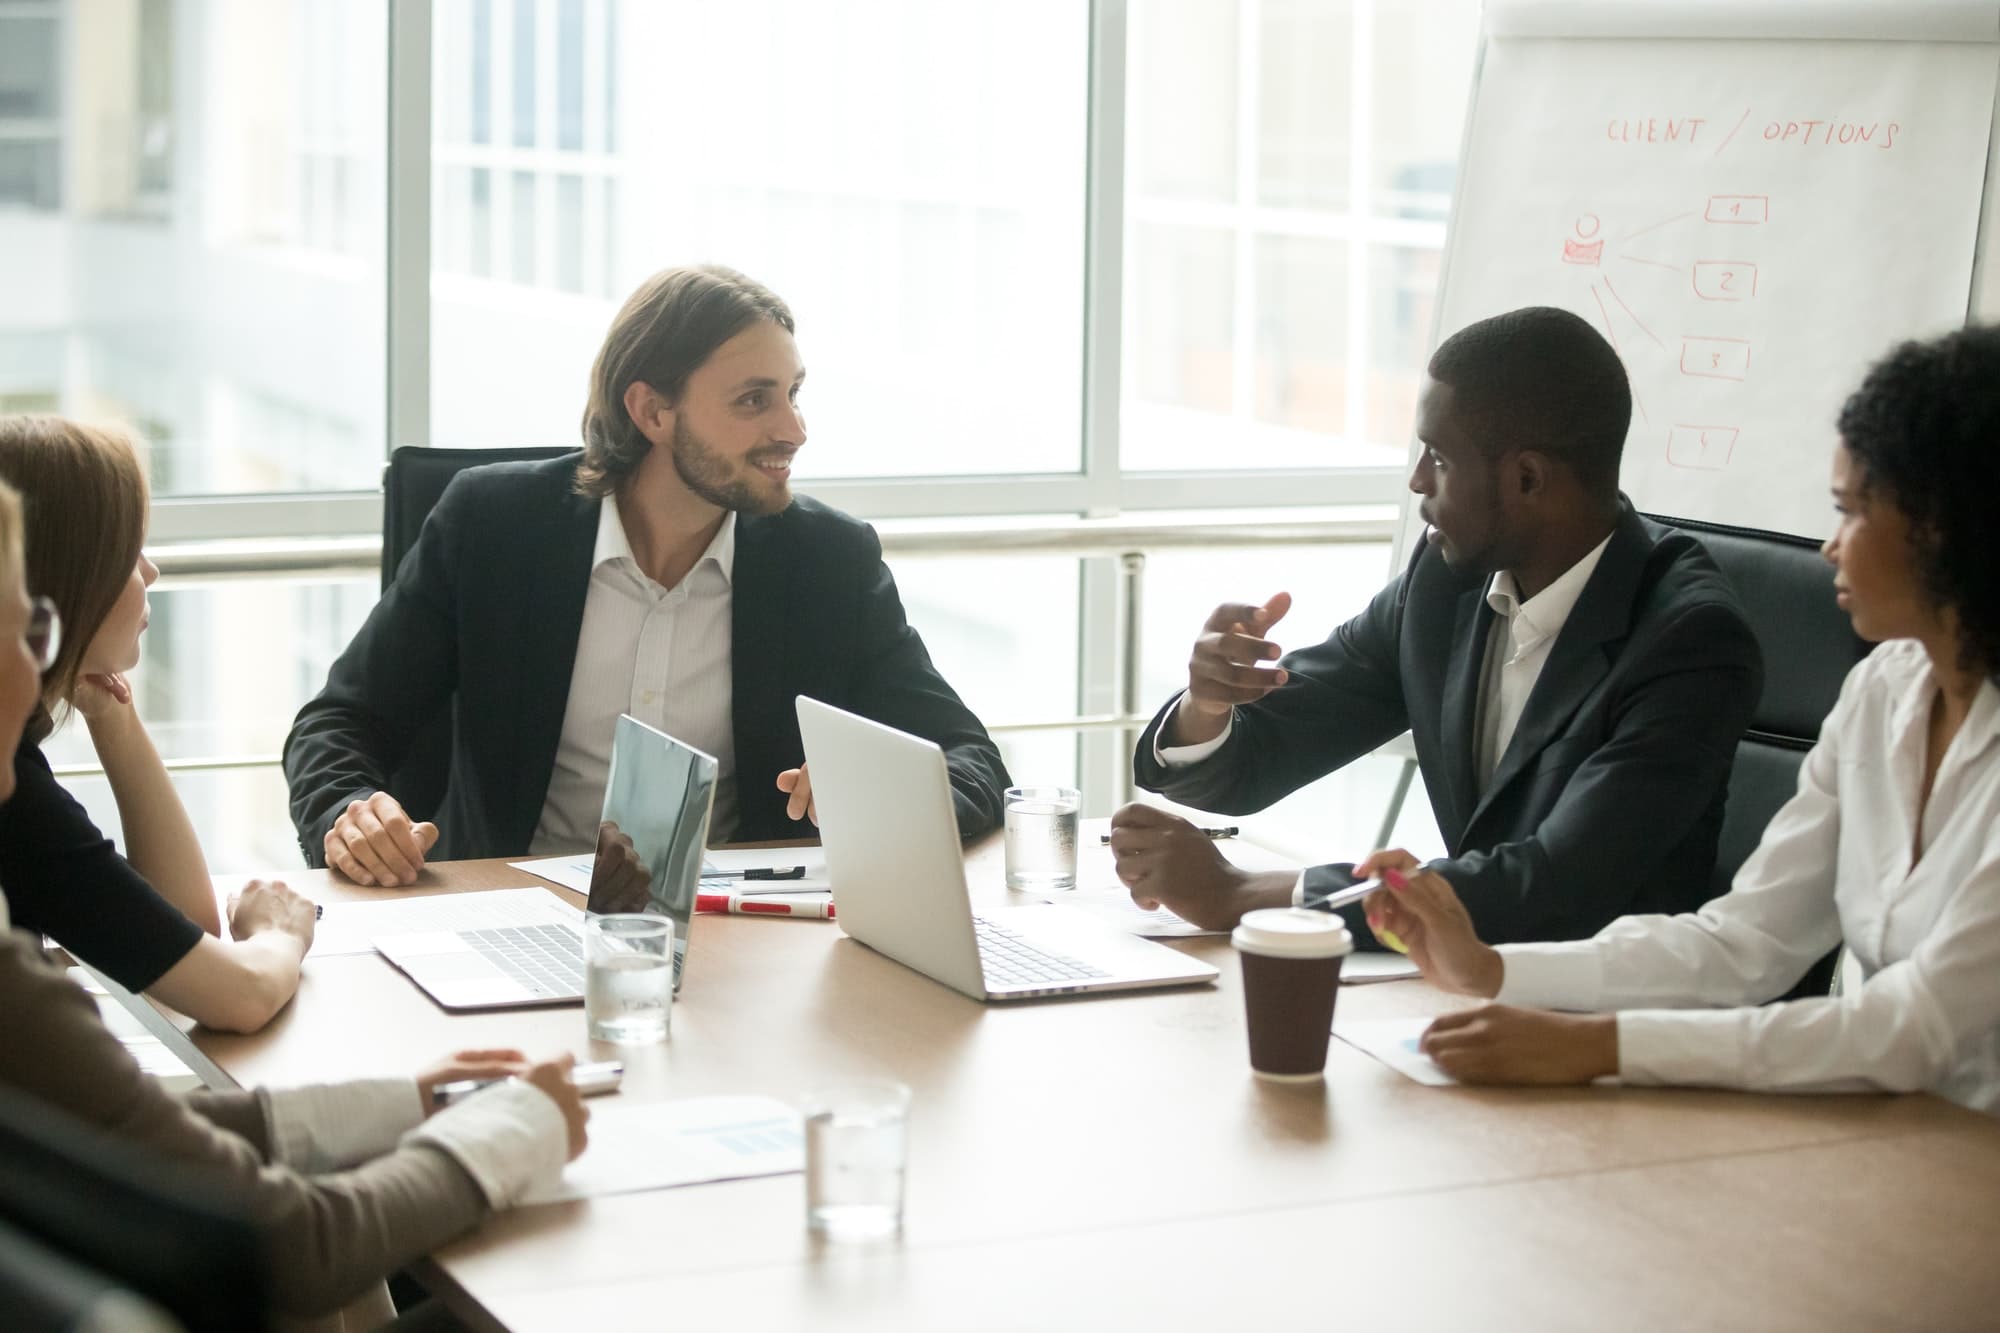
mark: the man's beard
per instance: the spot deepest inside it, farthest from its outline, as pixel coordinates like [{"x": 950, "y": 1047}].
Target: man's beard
[{"x": 712, "y": 478}]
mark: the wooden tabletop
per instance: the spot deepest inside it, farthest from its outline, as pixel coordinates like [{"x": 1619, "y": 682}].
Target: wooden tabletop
[{"x": 1109, "y": 1161}]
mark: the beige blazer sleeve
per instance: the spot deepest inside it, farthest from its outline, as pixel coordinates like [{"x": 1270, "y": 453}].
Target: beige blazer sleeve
[{"x": 329, "y": 1237}]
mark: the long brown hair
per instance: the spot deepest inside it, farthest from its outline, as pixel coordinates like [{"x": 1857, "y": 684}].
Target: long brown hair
[
  {"x": 84, "y": 502},
  {"x": 664, "y": 333}
]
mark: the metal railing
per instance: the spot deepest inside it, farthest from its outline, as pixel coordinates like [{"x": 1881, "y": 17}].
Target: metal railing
[{"x": 1127, "y": 540}]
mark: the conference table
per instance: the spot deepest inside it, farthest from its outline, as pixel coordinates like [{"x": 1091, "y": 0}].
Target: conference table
[{"x": 1110, "y": 1162}]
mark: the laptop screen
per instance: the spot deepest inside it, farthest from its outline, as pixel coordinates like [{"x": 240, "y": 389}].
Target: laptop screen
[{"x": 650, "y": 841}]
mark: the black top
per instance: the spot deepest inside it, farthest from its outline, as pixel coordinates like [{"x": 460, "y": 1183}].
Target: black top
[
  {"x": 482, "y": 622},
  {"x": 1609, "y": 799},
  {"x": 63, "y": 878}
]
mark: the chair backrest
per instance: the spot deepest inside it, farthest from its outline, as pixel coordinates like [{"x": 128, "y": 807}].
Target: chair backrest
[
  {"x": 1809, "y": 647},
  {"x": 412, "y": 483},
  {"x": 45, "y": 1291},
  {"x": 118, "y": 1223}
]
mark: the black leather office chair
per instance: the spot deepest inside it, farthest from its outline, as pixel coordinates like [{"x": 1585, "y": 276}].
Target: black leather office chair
[
  {"x": 412, "y": 483},
  {"x": 84, "y": 1218},
  {"x": 1809, "y": 647}
]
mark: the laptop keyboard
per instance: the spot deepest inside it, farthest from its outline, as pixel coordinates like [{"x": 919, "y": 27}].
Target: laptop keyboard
[
  {"x": 548, "y": 960},
  {"x": 1010, "y": 960}
]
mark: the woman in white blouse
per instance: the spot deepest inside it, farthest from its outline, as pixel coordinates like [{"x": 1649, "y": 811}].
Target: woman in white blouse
[{"x": 1891, "y": 844}]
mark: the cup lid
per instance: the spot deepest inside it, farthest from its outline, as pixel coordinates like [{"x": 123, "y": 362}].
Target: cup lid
[{"x": 1292, "y": 932}]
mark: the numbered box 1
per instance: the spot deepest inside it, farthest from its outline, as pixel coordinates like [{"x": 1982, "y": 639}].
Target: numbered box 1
[
  {"x": 1703, "y": 448},
  {"x": 1724, "y": 279},
  {"x": 1716, "y": 358},
  {"x": 1738, "y": 210}
]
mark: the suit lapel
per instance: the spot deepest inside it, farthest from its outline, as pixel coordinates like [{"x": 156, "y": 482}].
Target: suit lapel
[
  {"x": 763, "y": 720},
  {"x": 553, "y": 592},
  {"x": 1578, "y": 659},
  {"x": 1461, "y": 697}
]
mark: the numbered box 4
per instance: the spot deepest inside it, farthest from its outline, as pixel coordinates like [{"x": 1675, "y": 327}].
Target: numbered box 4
[
  {"x": 1724, "y": 279},
  {"x": 1716, "y": 358},
  {"x": 1703, "y": 448}
]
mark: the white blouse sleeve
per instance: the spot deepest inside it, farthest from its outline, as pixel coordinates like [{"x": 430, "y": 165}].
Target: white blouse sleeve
[{"x": 1913, "y": 1025}]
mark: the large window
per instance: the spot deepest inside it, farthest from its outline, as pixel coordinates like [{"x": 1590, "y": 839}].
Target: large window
[
  {"x": 197, "y": 248},
  {"x": 1049, "y": 259},
  {"x": 908, "y": 175},
  {"x": 1288, "y": 169}
]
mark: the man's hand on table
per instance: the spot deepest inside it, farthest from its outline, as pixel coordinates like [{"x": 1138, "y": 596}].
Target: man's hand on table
[
  {"x": 375, "y": 843},
  {"x": 1168, "y": 862}
]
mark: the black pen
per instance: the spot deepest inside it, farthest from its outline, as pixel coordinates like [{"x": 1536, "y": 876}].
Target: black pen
[{"x": 1229, "y": 831}]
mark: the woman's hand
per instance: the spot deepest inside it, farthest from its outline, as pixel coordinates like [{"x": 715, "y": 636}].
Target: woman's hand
[
  {"x": 1424, "y": 913},
  {"x": 99, "y": 697},
  {"x": 1497, "y": 1043}
]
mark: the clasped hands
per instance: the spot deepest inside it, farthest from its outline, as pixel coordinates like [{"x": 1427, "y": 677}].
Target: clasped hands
[{"x": 1164, "y": 860}]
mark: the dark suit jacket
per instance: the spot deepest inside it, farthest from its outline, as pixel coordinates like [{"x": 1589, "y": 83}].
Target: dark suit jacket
[
  {"x": 1608, "y": 799},
  {"x": 484, "y": 615}
]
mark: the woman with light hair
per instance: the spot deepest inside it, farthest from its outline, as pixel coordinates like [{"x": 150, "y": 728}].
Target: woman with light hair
[
  {"x": 346, "y": 1182},
  {"x": 147, "y": 919}
]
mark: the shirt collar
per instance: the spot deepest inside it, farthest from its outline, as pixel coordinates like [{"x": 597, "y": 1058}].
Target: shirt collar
[
  {"x": 1543, "y": 615},
  {"x": 613, "y": 544}
]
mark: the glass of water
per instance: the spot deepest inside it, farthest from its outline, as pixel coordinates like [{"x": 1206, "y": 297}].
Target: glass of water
[
  {"x": 856, "y": 1144},
  {"x": 1041, "y": 837},
  {"x": 628, "y": 976}
]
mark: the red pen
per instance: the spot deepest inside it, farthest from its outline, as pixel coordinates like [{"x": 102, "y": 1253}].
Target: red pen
[{"x": 744, "y": 904}]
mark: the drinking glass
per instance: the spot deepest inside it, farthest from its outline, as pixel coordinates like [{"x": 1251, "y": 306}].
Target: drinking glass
[
  {"x": 628, "y": 976},
  {"x": 1041, "y": 837}
]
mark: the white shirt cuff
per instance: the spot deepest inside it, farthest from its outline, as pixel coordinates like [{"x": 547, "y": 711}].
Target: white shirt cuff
[
  {"x": 1181, "y": 756},
  {"x": 332, "y": 1126},
  {"x": 1299, "y": 890},
  {"x": 510, "y": 1138},
  {"x": 1552, "y": 976}
]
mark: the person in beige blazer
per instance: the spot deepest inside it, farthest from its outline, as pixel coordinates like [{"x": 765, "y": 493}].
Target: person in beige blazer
[{"x": 347, "y": 1182}]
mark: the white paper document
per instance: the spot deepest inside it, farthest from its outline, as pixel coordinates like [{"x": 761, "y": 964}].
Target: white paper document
[
  {"x": 153, "y": 1055},
  {"x": 722, "y": 870},
  {"x": 659, "y": 1145},
  {"x": 572, "y": 872},
  {"x": 1114, "y": 907},
  {"x": 352, "y": 928},
  {"x": 1393, "y": 1041}
]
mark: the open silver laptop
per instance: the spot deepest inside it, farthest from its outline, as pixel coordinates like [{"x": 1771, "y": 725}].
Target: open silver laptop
[
  {"x": 514, "y": 947},
  {"x": 892, "y": 852}
]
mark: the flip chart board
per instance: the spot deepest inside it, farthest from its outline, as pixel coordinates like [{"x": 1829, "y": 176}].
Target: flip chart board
[{"x": 1751, "y": 200}]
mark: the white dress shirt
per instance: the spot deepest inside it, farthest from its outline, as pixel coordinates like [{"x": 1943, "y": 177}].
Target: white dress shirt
[
  {"x": 1838, "y": 862},
  {"x": 660, "y": 654},
  {"x": 1517, "y": 648}
]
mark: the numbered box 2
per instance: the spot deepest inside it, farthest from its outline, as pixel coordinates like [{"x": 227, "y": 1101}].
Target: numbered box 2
[
  {"x": 1716, "y": 358},
  {"x": 1724, "y": 279},
  {"x": 1702, "y": 448},
  {"x": 1738, "y": 210}
]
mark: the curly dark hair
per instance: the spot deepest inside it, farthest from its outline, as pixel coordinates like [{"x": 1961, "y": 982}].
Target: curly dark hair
[{"x": 1925, "y": 427}]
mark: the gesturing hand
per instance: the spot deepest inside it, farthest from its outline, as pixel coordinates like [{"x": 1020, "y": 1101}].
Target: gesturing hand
[{"x": 1223, "y": 670}]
